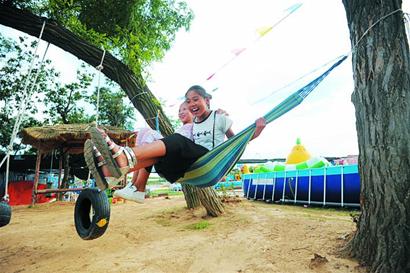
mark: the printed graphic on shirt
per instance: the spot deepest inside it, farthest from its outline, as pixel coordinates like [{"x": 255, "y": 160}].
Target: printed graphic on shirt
[
  {"x": 203, "y": 133},
  {"x": 215, "y": 124}
]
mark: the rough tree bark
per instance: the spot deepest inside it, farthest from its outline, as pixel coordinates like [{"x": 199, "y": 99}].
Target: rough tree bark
[
  {"x": 210, "y": 200},
  {"x": 191, "y": 198},
  {"x": 207, "y": 197},
  {"x": 381, "y": 69},
  {"x": 138, "y": 92}
]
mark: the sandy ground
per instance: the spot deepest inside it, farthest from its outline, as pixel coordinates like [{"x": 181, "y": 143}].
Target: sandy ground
[{"x": 160, "y": 236}]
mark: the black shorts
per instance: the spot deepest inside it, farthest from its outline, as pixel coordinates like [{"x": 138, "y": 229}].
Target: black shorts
[{"x": 181, "y": 152}]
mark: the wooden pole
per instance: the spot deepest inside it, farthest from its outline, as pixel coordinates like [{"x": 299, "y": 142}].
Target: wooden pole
[
  {"x": 60, "y": 170},
  {"x": 36, "y": 178}
]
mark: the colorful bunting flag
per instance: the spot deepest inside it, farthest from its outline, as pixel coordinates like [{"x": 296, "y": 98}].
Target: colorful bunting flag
[
  {"x": 238, "y": 51},
  {"x": 262, "y": 31}
]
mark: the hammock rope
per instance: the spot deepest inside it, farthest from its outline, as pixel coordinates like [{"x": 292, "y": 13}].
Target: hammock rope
[{"x": 99, "y": 67}]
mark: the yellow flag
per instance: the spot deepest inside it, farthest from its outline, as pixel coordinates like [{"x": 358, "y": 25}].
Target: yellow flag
[{"x": 263, "y": 30}]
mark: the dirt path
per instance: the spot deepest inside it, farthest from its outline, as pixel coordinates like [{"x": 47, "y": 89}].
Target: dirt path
[{"x": 162, "y": 236}]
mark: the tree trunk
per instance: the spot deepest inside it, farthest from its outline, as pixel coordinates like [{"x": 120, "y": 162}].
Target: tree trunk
[
  {"x": 139, "y": 94},
  {"x": 381, "y": 69},
  {"x": 191, "y": 197},
  {"x": 134, "y": 85},
  {"x": 208, "y": 197},
  {"x": 211, "y": 201}
]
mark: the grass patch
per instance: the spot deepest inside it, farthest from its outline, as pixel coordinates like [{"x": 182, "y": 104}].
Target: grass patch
[
  {"x": 199, "y": 226},
  {"x": 156, "y": 181},
  {"x": 168, "y": 192}
]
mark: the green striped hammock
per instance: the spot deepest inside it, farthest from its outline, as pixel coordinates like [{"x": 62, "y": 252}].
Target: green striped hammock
[{"x": 211, "y": 167}]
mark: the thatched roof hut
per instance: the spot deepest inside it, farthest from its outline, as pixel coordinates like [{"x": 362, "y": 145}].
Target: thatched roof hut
[{"x": 70, "y": 137}]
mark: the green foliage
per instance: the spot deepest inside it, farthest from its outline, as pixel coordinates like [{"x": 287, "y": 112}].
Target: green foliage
[
  {"x": 112, "y": 108},
  {"x": 14, "y": 62},
  {"x": 137, "y": 31},
  {"x": 164, "y": 192},
  {"x": 63, "y": 100},
  {"x": 175, "y": 122}
]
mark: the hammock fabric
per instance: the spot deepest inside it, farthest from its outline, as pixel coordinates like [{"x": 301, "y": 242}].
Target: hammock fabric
[{"x": 211, "y": 167}]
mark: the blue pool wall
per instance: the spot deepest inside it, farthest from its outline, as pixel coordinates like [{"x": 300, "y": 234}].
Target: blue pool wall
[{"x": 333, "y": 185}]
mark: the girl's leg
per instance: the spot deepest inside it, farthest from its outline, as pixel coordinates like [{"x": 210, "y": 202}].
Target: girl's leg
[
  {"x": 141, "y": 175},
  {"x": 150, "y": 151},
  {"x": 135, "y": 191},
  {"x": 141, "y": 179},
  {"x": 146, "y": 155}
]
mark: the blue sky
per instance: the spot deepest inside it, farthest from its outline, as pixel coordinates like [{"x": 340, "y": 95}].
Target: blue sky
[{"x": 309, "y": 38}]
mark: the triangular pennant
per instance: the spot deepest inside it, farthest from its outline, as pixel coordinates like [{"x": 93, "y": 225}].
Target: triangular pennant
[
  {"x": 263, "y": 30},
  {"x": 293, "y": 8},
  {"x": 238, "y": 51},
  {"x": 210, "y": 77}
]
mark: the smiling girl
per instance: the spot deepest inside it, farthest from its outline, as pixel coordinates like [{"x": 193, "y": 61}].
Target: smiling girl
[{"x": 210, "y": 127}]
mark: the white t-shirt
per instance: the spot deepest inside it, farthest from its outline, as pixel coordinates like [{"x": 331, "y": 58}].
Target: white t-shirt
[
  {"x": 186, "y": 130},
  {"x": 147, "y": 135},
  {"x": 204, "y": 131}
]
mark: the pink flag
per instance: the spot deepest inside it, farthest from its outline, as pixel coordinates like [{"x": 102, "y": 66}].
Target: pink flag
[
  {"x": 210, "y": 77},
  {"x": 238, "y": 51}
]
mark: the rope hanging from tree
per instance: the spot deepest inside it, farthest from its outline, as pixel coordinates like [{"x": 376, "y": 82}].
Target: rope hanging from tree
[
  {"x": 20, "y": 114},
  {"x": 99, "y": 67}
]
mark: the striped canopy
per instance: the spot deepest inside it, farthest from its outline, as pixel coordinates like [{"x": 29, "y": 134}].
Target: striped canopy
[{"x": 211, "y": 167}]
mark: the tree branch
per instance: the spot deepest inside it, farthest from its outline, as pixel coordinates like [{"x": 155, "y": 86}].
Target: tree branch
[{"x": 138, "y": 92}]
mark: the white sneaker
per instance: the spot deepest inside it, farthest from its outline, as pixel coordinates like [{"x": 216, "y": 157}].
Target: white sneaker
[{"x": 130, "y": 192}]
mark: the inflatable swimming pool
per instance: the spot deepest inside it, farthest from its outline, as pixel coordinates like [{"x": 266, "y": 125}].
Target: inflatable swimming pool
[{"x": 328, "y": 186}]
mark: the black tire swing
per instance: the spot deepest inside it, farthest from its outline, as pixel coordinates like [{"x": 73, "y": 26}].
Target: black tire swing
[
  {"x": 5, "y": 213},
  {"x": 92, "y": 209},
  {"x": 91, "y": 213}
]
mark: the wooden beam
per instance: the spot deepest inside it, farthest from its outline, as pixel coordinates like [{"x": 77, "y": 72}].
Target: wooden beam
[
  {"x": 36, "y": 178},
  {"x": 57, "y": 190}
]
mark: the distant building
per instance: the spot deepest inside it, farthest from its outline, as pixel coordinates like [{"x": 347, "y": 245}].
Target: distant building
[{"x": 348, "y": 160}]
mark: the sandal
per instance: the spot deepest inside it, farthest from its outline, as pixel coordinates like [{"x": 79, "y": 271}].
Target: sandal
[
  {"x": 101, "y": 143},
  {"x": 90, "y": 156}
]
